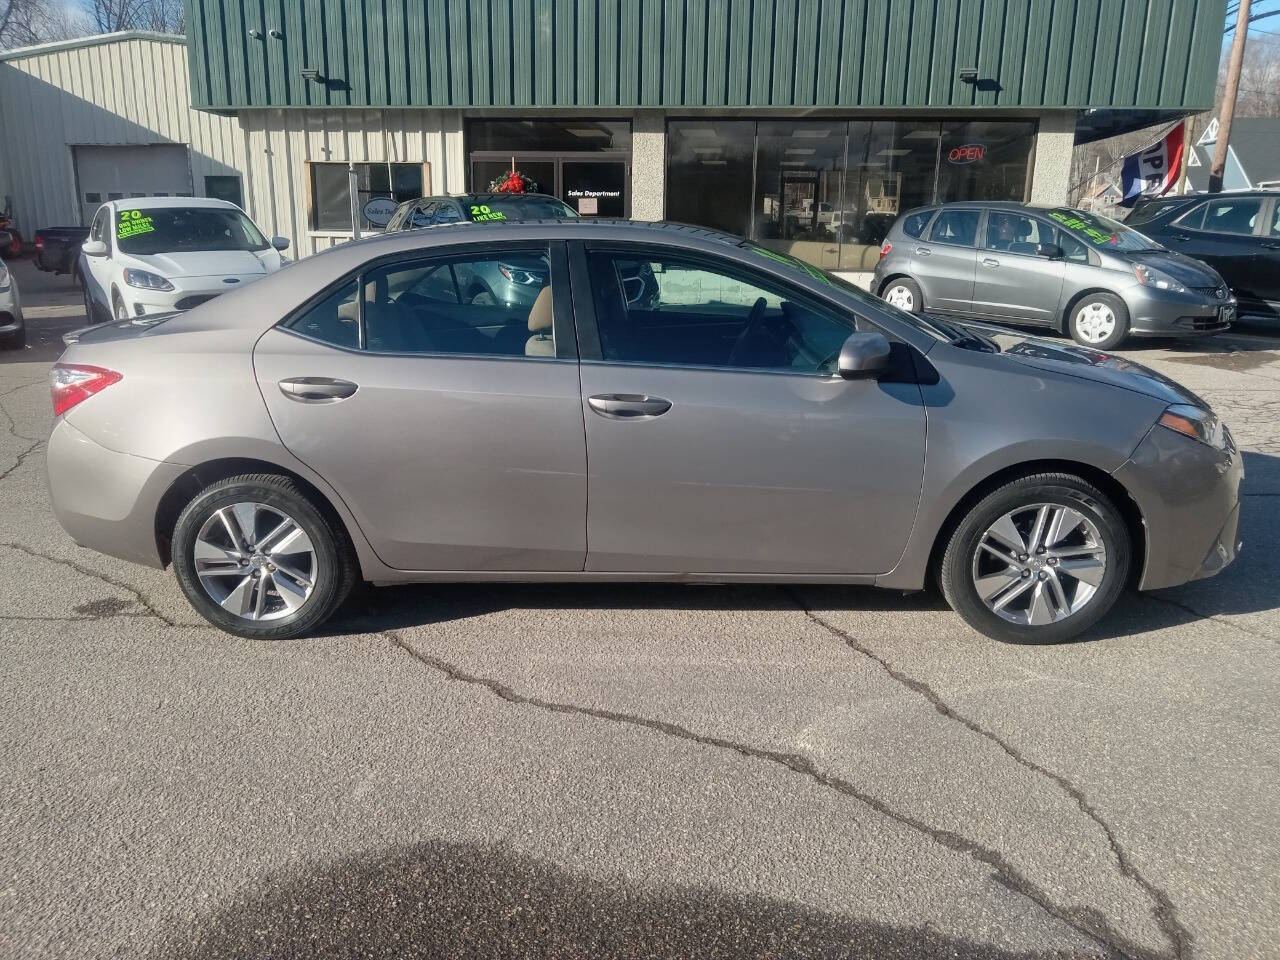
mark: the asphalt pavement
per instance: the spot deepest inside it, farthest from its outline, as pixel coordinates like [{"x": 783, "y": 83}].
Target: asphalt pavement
[{"x": 633, "y": 770}]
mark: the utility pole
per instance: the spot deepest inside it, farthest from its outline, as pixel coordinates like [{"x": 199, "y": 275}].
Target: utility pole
[{"x": 1228, "y": 108}]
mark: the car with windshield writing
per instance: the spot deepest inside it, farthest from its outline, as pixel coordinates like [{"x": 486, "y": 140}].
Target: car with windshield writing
[
  {"x": 757, "y": 421},
  {"x": 1065, "y": 269},
  {"x": 155, "y": 255}
]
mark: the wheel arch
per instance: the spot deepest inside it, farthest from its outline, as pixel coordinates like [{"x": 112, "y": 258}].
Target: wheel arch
[
  {"x": 185, "y": 488},
  {"x": 1113, "y": 488},
  {"x": 1064, "y": 318},
  {"x": 900, "y": 275}
]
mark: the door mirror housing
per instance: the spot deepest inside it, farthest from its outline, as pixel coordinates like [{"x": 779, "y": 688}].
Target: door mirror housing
[
  {"x": 864, "y": 356},
  {"x": 94, "y": 248},
  {"x": 1050, "y": 251},
  {"x": 280, "y": 243}
]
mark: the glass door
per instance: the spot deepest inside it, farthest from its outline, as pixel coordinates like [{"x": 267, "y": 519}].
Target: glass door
[{"x": 541, "y": 172}]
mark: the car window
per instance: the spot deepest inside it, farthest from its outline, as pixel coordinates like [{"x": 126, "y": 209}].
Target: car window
[
  {"x": 334, "y": 320},
  {"x": 1232, "y": 215},
  {"x": 1016, "y": 233},
  {"x": 669, "y": 310},
  {"x": 1147, "y": 210},
  {"x": 498, "y": 304},
  {"x": 534, "y": 206},
  {"x": 154, "y": 230},
  {"x": 1193, "y": 219},
  {"x": 98, "y": 231},
  {"x": 447, "y": 212},
  {"x": 958, "y": 227},
  {"x": 1100, "y": 231},
  {"x": 1275, "y": 220},
  {"x": 915, "y": 223},
  {"x": 1074, "y": 250}
]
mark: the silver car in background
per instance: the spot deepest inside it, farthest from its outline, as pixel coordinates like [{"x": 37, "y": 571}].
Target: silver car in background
[
  {"x": 1070, "y": 270},
  {"x": 755, "y": 421},
  {"x": 13, "y": 331}
]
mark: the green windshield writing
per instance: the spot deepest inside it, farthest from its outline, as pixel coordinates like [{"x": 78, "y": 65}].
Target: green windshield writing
[
  {"x": 1101, "y": 238},
  {"x": 480, "y": 212},
  {"x": 132, "y": 223}
]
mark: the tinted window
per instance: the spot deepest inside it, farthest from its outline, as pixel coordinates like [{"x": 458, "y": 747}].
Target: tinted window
[
  {"x": 1148, "y": 210},
  {"x": 499, "y": 207},
  {"x": 1073, "y": 249},
  {"x": 709, "y": 173},
  {"x": 335, "y": 320},
  {"x": 1275, "y": 220},
  {"x": 915, "y": 223},
  {"x": 1236, "y": 215},
  {"x": 959, "y": 227},
  {"x": 498, "y": 305},
  {"x": 1016, "y": 233},
  {"x": 447, "y": 212},
  {"x": 1194, "y": 218},
  {"x": 178, "y": 229},
  {"x": 665, "y": 310}
]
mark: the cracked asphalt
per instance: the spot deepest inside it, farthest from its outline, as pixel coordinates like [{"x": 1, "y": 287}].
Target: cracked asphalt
[{"x": 633, "y": 770}]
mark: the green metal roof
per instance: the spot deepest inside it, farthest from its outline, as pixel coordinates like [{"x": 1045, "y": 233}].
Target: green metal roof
[{"x": 705, "y": 53}]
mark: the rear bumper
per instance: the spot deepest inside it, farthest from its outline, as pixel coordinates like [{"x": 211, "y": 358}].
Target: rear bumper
[
  {"x": 107, "y": 501},
  {"x": 1189, "y": 496}
]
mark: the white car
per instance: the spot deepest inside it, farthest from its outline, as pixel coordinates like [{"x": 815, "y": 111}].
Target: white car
[
  {"x": 13, "y": 333},
  {"x": 149, "y": 255}
]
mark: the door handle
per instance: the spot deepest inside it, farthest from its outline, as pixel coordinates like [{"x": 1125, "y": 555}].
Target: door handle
[
  {"x": 990, "y": 262},
  {"x": 317, "y": 389},
  {"x": 923, "y": 251},
  {"x": 1182, "y": 238},
  {"x": 628, "y": 406},
  {"x": 1271, "y": 246}
]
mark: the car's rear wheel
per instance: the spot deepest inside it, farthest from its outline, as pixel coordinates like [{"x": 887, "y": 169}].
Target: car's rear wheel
[
  {"x": 255, "y": 557},
  {"x": 903, "y": 293},
  {"x": 1038, "y": 560},
  {"x": 1100, "y": 320}
]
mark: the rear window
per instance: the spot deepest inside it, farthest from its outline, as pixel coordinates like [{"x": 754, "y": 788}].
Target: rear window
[
  {"x": 957, "y": 227},
  {"x": 915, "y": 223},
  {"x": 516, "y": 208},
  {"x": 1147, "y": 210}
]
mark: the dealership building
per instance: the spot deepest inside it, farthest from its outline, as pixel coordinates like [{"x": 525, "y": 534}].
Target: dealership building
[{"x": 808, "y": 125}]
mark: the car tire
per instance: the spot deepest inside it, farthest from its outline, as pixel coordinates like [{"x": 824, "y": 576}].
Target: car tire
[
  {"x": 1050, "y": 590},
  {"x": 259, "y": 590},
  {"x": 118, "y": 309},
  {"x": 903, "y": 293},
  {"x": 1099, "y": 320},
  {"x": 90, "y": 307}
]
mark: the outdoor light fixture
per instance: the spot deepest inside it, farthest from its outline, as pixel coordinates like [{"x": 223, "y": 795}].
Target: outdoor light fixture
[
  {"x": 968, "y": 74},
  {"x": 308, "y": 73}
]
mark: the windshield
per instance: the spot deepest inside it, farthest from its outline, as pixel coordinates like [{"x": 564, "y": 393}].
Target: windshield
[
  {"x": 183, "y": 229},
  {"x": 516, "y": 207},
  {"x": 934, "y": 328},
  {"x": 1101, "y": 232},
  {"x": 1148, "y": 210}
]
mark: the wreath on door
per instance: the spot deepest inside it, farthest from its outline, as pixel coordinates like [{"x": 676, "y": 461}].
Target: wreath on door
[{"x": 513, "y": 182}]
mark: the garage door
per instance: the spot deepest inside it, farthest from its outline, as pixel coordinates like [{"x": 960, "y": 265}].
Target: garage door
[{"x": 113, "y": 173}]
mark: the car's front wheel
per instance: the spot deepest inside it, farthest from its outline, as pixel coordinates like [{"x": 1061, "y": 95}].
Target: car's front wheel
[
  {"x": 903, "y": 293},
  {"x": 1100, "y": 320},
  {"x": 118, "y": 309},
  {"x": 1038, "y": 560},
  {"x": 256, "y": 558}
]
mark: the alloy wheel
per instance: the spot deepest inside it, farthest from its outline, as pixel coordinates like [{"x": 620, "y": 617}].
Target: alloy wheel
[
  {"x": 1039, "y": 564},
  {"x": 900, "y": 297},
  {"x": 255, "y": 561},
  {"x": 1095, "y": 321}
]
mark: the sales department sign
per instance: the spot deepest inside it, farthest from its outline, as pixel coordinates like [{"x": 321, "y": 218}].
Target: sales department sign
[{"x": 969, "y": 153}]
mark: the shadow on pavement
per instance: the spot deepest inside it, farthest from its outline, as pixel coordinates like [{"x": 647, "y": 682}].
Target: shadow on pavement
[{"x": 444, "y": 900}]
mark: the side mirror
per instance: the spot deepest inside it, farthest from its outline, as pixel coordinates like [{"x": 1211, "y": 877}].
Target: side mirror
[
  {"x": 1050, "y": 251},
  {"x": 94, "y": 248},
  {"x": 280, "y": 243},
  {"x": 863, "y": 356}
]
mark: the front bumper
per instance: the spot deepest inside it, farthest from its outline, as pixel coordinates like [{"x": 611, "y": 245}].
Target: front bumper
[
  {"x": 1189, "y": 496},
  {"x": 187, "y": 293},
  {"x": 1162, "y": 313},
  {"x": 107, "y": 501},
  {"x": 11, "y": 320}
]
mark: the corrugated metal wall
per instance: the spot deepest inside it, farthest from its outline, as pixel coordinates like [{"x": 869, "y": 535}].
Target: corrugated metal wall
[
  {"x": 705, "y": 53},
  {"x": 127, "y": 91}
]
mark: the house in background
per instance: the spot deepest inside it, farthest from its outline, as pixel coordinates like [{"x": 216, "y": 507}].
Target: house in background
[
  {"x": 1103, "y": 198},
  {"x": 1253, "y": 160}
]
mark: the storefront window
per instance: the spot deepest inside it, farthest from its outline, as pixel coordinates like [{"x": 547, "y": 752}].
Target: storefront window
[
  {"x": 709, "y": 173},
  {"x": 557, "y": 136},
  {"x": 331, "y": 195},
  {"x": 828, "y": 191}
]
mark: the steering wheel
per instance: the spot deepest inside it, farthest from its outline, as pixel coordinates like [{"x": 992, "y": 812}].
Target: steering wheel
[{"x": 744, "y": 338}]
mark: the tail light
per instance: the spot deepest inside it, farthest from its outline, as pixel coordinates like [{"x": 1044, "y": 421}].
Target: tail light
[
  {"x": 884, "y": 251},
  {"x": 72, "y": 383},
  {"x": 39, "y": 242}
]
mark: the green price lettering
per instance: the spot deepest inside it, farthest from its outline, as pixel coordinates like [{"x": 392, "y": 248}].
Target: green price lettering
[{"x": 481, "y": 212}]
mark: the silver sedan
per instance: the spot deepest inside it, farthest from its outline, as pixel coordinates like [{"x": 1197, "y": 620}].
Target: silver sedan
[{"x": 360, "y": 417}]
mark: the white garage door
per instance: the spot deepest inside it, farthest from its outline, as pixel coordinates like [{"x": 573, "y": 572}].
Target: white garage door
[{"x": 113, "y": 173}]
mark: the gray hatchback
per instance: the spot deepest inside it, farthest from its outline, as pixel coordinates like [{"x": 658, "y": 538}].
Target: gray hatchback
[{"x": 1071, "y": 270}]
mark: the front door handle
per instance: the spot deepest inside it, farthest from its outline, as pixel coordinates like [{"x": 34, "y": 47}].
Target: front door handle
[
  {"x": 317, "y": 389},
  {"x": 1271, "y": 245},
  {"x": 990, "y": 262},
  {"x": 1182, "y": 238},
  {"x": 628, "y": 406}
]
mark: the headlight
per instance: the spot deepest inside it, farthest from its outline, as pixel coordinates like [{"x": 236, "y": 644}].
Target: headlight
[
  {"x": 1195, "y": 423},
  {"x": 4, "y": 277},
  {"x": 1151, "y": 277},
  {"x": 145, "y": 280}
]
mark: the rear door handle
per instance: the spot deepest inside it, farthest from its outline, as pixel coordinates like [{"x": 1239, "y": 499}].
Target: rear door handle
[
  {"x": 628, "y": 406},
  {"x": 317, "y": 389},
  {"x": 923, "y": 251},
  {"x": 1182, "y": 238},
  {"x": 990, "y": 262},
  {"x": 1271, "y": 246}
]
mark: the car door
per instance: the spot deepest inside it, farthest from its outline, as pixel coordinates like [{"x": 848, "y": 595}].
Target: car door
[
  {"x": 719, "y": 439},
  {"x": 1223, "y": 233},
  {"x": 1012, "y": 282},
  {"x": 457, "y": 444},
  {"x": 96, "y": 272},
  {"x": 945, "y": 262}
]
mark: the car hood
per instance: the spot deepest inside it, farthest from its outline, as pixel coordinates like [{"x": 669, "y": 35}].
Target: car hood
[
  {"x": 206, "y": 263},
  {"x": 1082, "y": 363},
  {"x": 1187, "y": 271}
]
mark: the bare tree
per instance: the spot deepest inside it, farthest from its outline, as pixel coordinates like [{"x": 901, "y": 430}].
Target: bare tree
[
  {"x": 24, "y": 22},
  {"x": 109, "y": 16},
  {"x": 1259, "y": 94}
]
